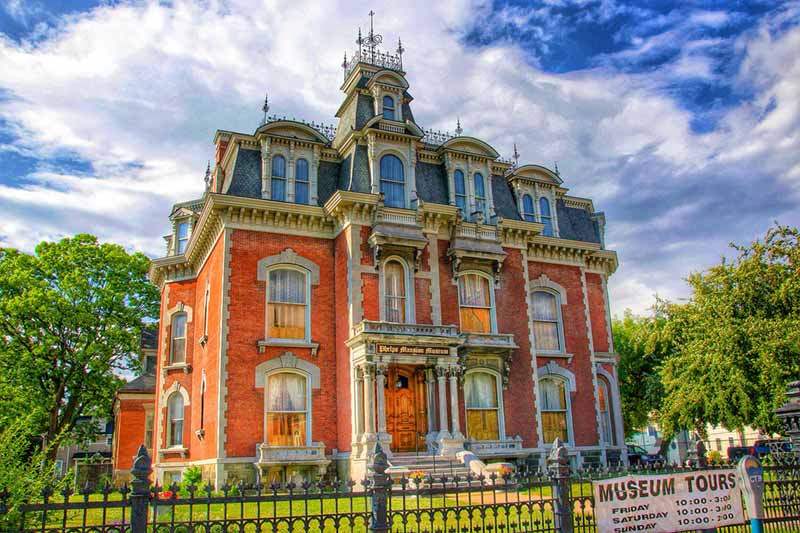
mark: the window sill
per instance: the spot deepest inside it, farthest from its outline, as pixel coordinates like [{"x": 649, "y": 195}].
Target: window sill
[
  {"x": 285, "y": 343},
  {"x": 556, "y": 355},
  {"x": 174, "y": 450},
  {"x": 186, "y": 367}
]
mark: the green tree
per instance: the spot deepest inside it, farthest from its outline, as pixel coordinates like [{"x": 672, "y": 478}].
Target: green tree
[
  {"x": 643, "y": 344},
  {"x": 70, "y": 319},
  {"x": 738, "y": 339}
]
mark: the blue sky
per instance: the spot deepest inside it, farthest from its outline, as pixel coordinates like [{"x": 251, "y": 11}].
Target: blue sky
[{"x": 680, "y": 119}]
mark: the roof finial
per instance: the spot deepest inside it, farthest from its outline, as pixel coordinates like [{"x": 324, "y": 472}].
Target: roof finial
[
  {"x": 208, "y": 175},
  {"x": 265, "y": 107},
  {"x": 400, "y": 51},
  {"x": 459, "y": 129},
  {"x": 516, "y": 156},
  {"x": 359, "y": 42},
  {"x": 557, "y": 174}
]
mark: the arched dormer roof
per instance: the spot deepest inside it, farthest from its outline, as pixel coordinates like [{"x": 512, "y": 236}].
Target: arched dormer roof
[
  {"x": 471, "y": 145},
  {"x": 389, "y": 77},
  {"x": 290, "y": 128},
  {"x": 537, "y": 173}
]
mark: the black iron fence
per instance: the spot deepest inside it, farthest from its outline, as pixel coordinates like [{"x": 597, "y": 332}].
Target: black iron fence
[{"x": 531, "y": 501}]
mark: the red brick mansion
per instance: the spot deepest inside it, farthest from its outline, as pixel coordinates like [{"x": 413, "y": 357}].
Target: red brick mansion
[{"x": 335, "y": 288}]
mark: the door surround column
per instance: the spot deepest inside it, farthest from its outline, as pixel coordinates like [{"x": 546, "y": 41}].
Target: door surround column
[
  {"x": 441, "y": 376},
  {"x": 454, "y": 415},
  {"x": 380, "y": 383}
]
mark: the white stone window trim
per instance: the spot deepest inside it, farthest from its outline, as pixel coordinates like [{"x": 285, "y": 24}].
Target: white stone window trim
[
  {"x": 308, "y": 411},
  {"x": 501, "y": 418},
  {"x": 175, "y": 388},
  {"x": 177, "y": 240},
  {"x": 615, "y": 407},
  {"x": 398, "y": 107},
  {"x": 556, "y": 372},
  {"x": 559, "y": 302},
  {"x": 288, "y": 259},
  {"x": 493, "y": 310},
  {"x": 536, "y": 192},
  {"x": 408, "y": 273},
  {"x": 166, "y": 355},
  {"x": 291, "y": 153}
]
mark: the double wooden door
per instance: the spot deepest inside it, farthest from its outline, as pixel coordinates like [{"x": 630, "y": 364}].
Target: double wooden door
[{"x": 405, "y": 408}]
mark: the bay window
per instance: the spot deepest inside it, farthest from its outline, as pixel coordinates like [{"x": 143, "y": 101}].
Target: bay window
[
  {"x": 287, "y": 414},
  {"x": 547, "y": 327},
  {"x": 554, "y": 410},
  {"x": 287, "y": 304},
  {"x": 475, "y": 303},
  {"x": 482, "y": 406}
]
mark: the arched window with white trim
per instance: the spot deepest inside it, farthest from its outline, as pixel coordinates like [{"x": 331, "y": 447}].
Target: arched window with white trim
[
  {"x": 482, "y": 405},
  {"x": 548, "y": 330},
  {"x": 287, "y": 410},
  {"x": 177, "y": 351},
  {"x": 480, "y": 194},
  {"x": 301, "y": 181},
  {"x": 175, "y": 420},
  {"x": 388, "y": 108},
  {"x": 288, "y": 304},
  {"x": 476, "y": 303},
  {"x": 393, "y": 182},
  {"x": 278, "y": 183},
  {"x": 604, "y": 403},
  {"x": 555, "y": 409},
  {"x": 528, "y": 213},
  {"x": 460, "y": 192},
  {"x": 545, "y": 216},
  {"x": 394, "y": 291}
]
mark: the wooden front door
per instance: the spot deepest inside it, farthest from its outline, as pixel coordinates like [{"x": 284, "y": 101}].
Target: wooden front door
[{"x": 404, "y": 408}]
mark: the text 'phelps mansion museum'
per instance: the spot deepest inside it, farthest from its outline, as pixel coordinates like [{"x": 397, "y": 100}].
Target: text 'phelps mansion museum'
[{"x": 335, "y": 288}]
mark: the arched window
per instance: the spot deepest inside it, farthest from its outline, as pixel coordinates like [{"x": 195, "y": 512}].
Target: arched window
[
  {"x": 388, "y": 108},
  {"x": 393, "y": 183},
  {"x": 461, "y": 192},
  {"x": 546, "y": 218},
  {"x": 475, "y": 303},
  {"x": 175, "y": 419},
  {"x": 183, "y": 236},
  {"x": 301, "y": 181},
  {"x": 604, "y": 401},
  {"x": 555, "y": 409},
  {"x": 279, "y": 178},
  {"x": 394, "y": 291},
  {"x": 287, "y": 304},
  {"x": 177, "y": 352},
  {"x": 482, "y": 405},
  {"x": 287, "y": 409},
  {"x": 480, "y": 194},
  {"x": 527, "y": 209},
  {"x": 547, "y": 327}
]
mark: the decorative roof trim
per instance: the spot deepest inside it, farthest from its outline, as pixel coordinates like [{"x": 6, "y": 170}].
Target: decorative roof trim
[
  {"x": 491, "y": 153},
  {"x": 545, "y": 175},
  {"x": 265, "y": 129}
]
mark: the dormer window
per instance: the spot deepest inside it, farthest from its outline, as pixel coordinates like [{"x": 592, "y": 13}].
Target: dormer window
[
  {"x": 546, "y": 218},
  {"x": 461, "y": 192},
  {"x": 279, "y": 178},
  {"x": 183, "y": 236},
  {"x": 301, "y": 182},
  {"x": 393, "y": 183},
  {"x": 480, "y": 195},
  {"x": 388, "y": 108},
  {"x": 528, "y": 215}
]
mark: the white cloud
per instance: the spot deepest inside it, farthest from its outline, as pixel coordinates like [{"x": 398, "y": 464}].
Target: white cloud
[{"x": 138, "y": 90}]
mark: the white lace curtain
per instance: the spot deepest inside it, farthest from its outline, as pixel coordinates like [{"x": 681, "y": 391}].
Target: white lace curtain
[
  {"x": 395, "y": 291},
  {"x": 474, "y": 290},
  {"x": 287, "y": 393},
  {"x": 287, "y": 286},
  {"x": 481, "y": 391},
  {"x": 545, "y": 321}
]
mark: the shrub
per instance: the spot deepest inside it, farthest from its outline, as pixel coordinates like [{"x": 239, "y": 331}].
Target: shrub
[{"x": 191, "y": 476}]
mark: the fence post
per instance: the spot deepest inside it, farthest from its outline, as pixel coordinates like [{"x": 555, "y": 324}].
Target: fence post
[
  {"x": 558, "y": 467},
  {"x": 140, "y": 495},
  {"x": 381, "y": 485}
]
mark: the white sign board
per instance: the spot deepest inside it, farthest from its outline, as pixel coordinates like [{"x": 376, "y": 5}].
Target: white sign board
[{"x": 667, "y": 503}]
